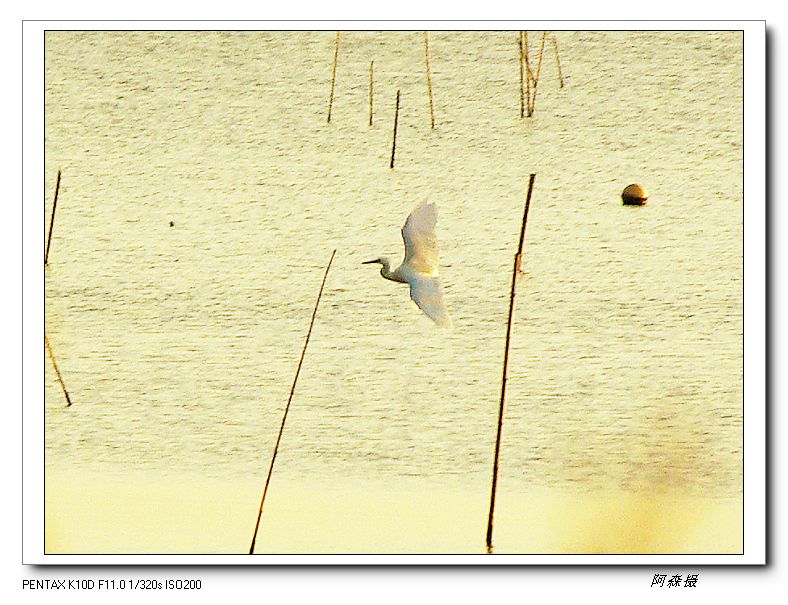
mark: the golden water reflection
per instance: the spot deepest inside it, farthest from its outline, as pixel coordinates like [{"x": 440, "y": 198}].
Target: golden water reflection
[{"x": 154, "y": 514}]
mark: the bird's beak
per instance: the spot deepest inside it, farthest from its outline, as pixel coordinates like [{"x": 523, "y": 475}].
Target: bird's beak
[{"x": 369, "y": 262}]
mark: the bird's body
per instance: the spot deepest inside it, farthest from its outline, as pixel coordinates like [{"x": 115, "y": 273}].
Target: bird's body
[{"x": 419, "y": 268}]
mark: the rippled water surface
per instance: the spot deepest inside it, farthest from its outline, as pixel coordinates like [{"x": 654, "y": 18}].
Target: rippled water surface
[{"x": 179, "y": 342}]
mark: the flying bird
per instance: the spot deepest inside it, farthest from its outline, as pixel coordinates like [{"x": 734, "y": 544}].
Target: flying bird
[{"x": 419, "y": 269}]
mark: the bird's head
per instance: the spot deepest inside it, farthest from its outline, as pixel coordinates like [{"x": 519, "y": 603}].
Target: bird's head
[{"x": 384, "y": 262}]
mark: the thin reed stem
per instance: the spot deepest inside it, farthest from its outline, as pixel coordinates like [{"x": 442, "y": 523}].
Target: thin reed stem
[
  {"x": 287, "y": 407},
  {"x": 394, "y": 137},
  {"x": 371, "y": 88},
  {"x": 539, "y": 64},
  {"x": 57, "y": 371},
  {"x": 505, "y": 376},
  {"x": 528, "y": 72},
  {"x": 429, "y": 76},
  {"x": 558, "y": 60},
  {"x": 333, "y": 77},
  {"x": 538, "y": 74},
  {"x": 52, "y": 219},
  {"x": 520, "y": 61}
]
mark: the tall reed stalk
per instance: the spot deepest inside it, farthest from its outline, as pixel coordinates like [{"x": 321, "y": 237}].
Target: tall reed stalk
[
  {"x": 287, "y": 406},
  {"x": 371, "y": 88},
  {"x": 394, "y": 136},
  {"x": 429, "y": 77},
  {"x": 515, "y": 274},
  {"x": 333, "y": 77},
  {"x": 52, "y": 219},
  {"x": 57, "y": 371},
  {"x": 558, "y": 60}
]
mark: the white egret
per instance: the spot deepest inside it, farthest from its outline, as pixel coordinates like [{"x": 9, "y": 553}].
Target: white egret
[{"x": 419, "y": 269}]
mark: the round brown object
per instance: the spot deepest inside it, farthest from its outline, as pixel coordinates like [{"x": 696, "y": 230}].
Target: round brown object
[{"x": 634, "y": 195}]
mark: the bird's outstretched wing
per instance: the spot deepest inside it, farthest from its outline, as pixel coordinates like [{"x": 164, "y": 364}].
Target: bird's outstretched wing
[
  {"x": 427, "y": 293},
  {"x": 421, "y": 244}
]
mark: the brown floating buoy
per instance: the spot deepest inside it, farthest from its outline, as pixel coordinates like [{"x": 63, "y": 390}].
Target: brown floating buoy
[{"x": 634, "y": 195}]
